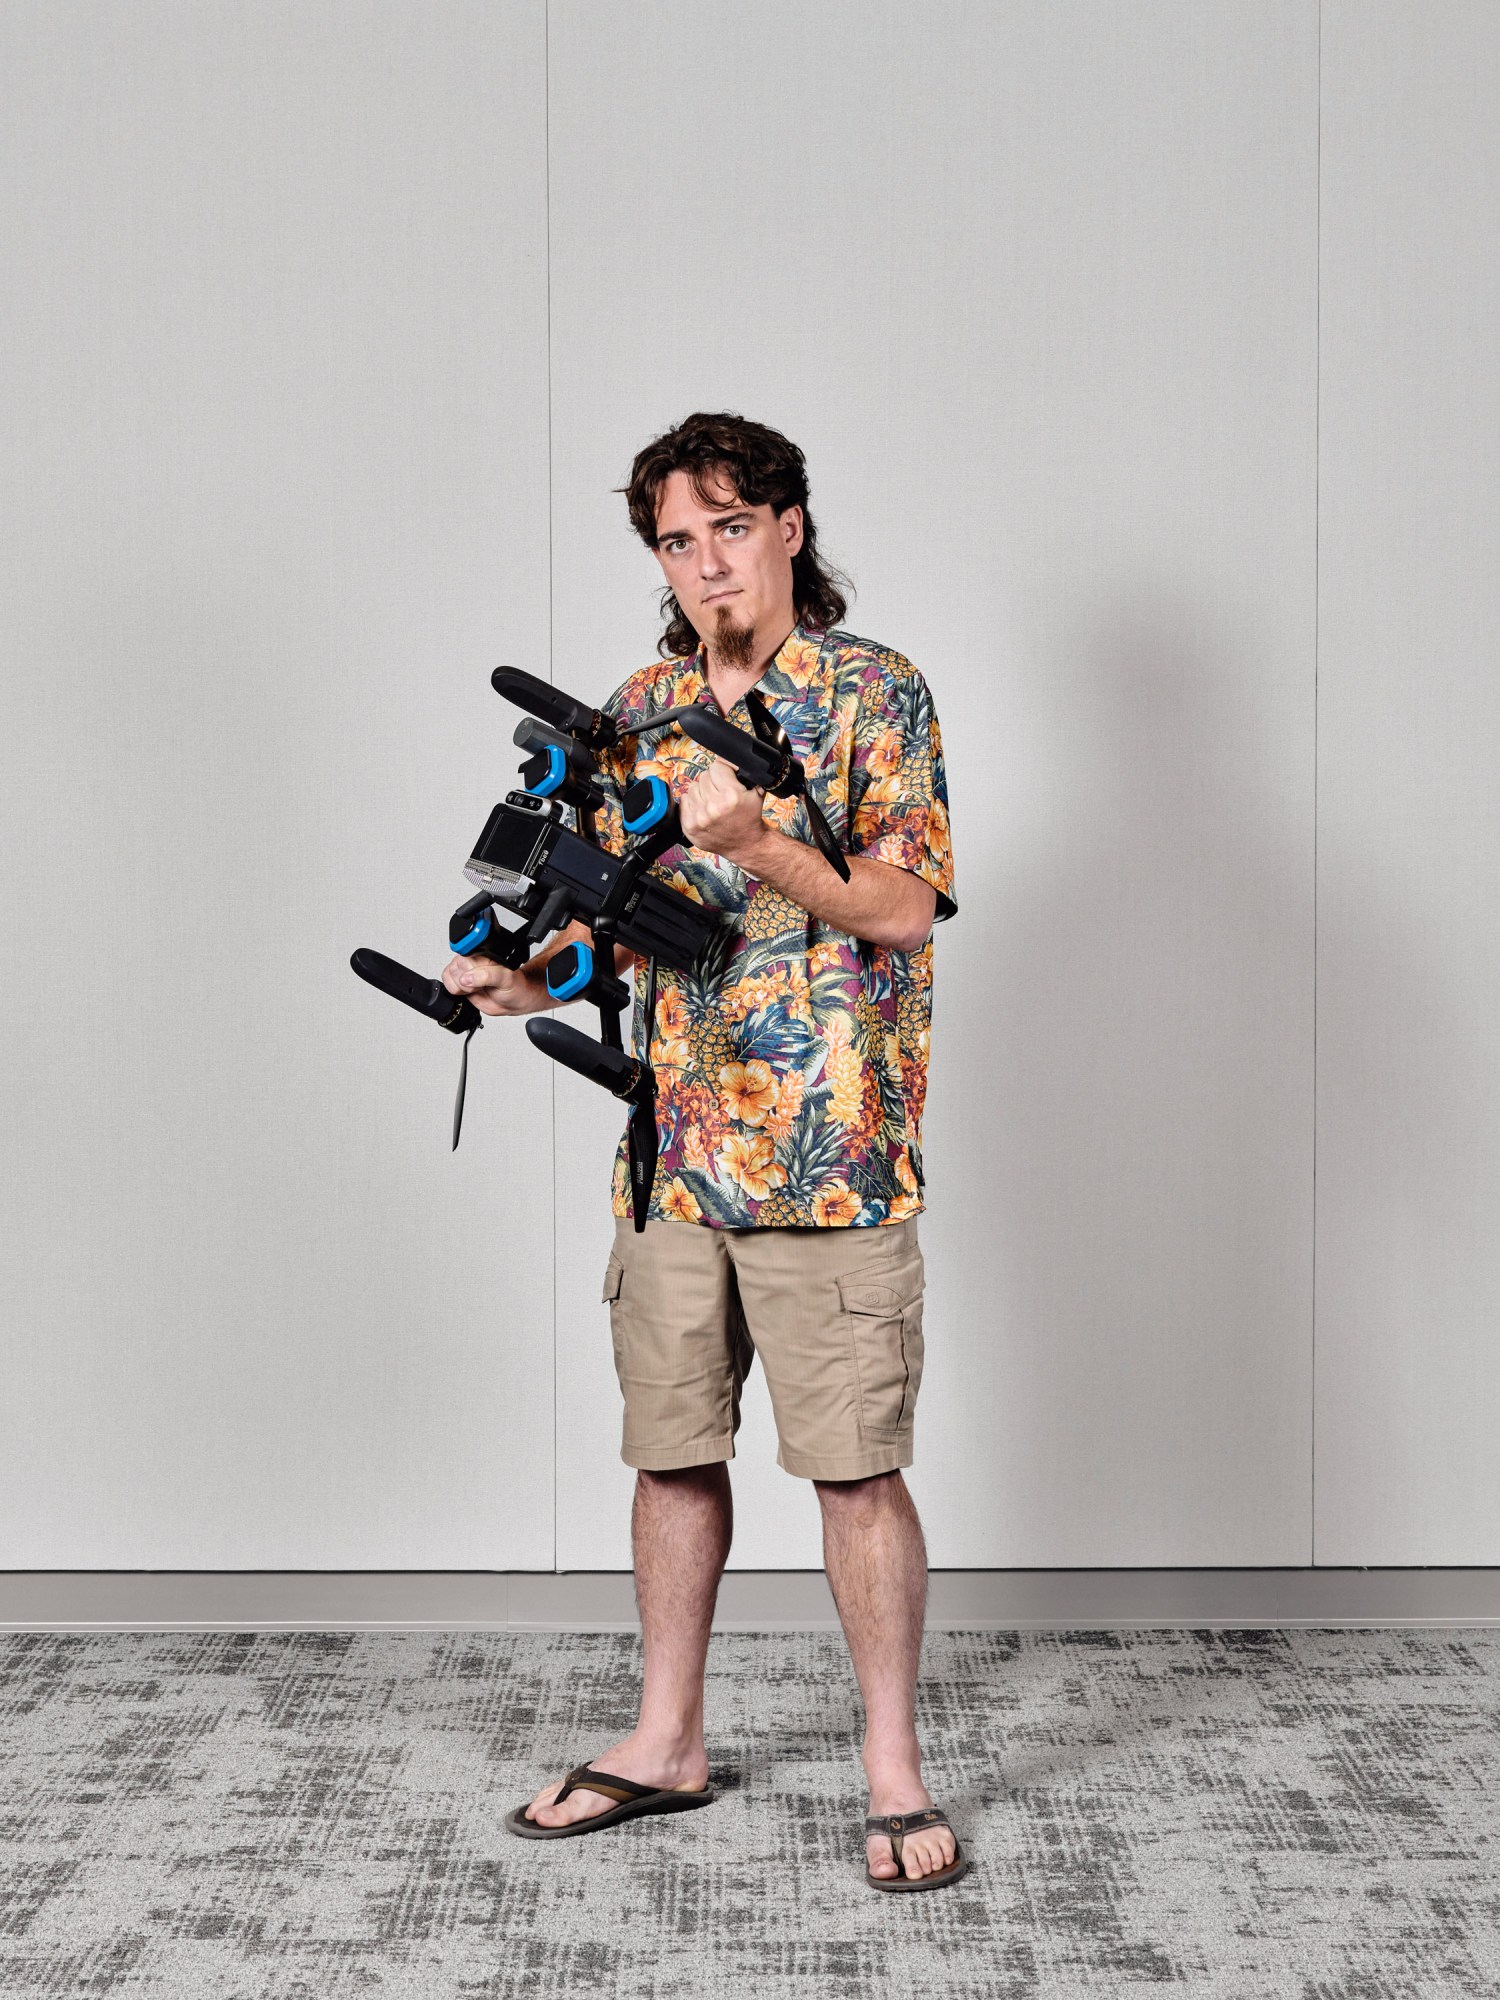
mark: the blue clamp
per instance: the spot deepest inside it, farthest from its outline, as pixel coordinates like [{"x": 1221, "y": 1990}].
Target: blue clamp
[
  {"x": 557, "y": 770},
  {"x": 575, "y": 981},
  {"x": 656, "y": 812},
  {"x": 475, "y": 937}
]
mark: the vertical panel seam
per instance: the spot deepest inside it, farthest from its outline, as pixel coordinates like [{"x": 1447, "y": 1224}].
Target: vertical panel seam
[
  {"x": 1317, "y": 612},
  {"x": 551, "y": 658}
]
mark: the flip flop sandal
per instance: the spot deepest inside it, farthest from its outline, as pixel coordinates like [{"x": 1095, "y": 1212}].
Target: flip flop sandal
[
  {"x": 633, "y": 1799},
  {"x": 896, "y": 1826}
]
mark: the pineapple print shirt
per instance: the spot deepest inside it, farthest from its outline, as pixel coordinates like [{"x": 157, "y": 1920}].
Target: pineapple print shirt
[{"x": 791, "y": 1059}]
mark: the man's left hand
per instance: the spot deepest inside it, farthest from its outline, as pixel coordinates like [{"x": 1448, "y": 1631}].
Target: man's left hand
[{"x": 719, "y": 815}]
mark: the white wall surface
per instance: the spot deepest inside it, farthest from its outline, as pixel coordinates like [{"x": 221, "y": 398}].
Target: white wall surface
[
  {"x": 275, "y": 490},
  {"x": 1408, "y": 1327},
  {"x": 333, "y": 325},
  {"x": 1035, "y": 289}
]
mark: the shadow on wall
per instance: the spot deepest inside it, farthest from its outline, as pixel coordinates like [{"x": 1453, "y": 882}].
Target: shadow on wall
[{"x": 1137, "y": 1331}]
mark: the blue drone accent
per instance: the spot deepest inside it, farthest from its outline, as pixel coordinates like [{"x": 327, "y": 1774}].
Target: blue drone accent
[
  {"x": 557, "y": 770},
  {"x": 580, "y": 978},
  {"x": 475, "y": 937},
  {"x": 656, "y": 812}
]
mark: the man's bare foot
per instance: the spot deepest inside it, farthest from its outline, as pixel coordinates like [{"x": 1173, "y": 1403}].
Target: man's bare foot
[
  {"x": 896, "y": 1787},
  {"x": 669, "y": 1768}
]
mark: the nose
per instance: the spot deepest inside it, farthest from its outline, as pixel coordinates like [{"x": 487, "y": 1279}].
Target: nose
[{"x": 711, "y": 564}]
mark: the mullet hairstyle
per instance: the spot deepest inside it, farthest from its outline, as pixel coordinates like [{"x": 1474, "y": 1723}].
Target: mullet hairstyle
[{"x": 764, "y": 468}]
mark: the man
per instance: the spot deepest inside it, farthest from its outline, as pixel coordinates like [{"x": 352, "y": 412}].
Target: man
[{"x": 791, "y": 1068}]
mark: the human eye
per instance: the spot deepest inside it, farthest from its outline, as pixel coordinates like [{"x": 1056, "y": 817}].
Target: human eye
[
  {"x": 675, "y": 544},
  {"x": 737, "y": 528}
]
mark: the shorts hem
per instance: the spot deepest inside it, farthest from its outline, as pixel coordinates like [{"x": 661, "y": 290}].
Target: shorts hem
[
  {"x": 677, "y": 1457},
  {"x": 856, "y": 1465}
]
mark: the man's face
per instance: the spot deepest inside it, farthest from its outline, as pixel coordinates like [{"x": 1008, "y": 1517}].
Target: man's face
[{"x": 729, "y": 566}]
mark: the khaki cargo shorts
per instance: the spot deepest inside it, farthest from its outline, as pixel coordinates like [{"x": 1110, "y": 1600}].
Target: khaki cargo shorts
[{"x": 835, "y": 1315}]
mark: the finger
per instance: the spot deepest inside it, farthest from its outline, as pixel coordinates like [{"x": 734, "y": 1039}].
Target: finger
[{"x": 690, "y": 812}]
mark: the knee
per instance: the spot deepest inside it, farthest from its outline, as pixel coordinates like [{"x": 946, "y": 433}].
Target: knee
[
  {"x": 714, "y": 1474},
  {"x": 858, "y": 1495}
]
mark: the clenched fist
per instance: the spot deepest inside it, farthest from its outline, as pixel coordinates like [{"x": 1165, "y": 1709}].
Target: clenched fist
[{"x": 720, "y": 815}]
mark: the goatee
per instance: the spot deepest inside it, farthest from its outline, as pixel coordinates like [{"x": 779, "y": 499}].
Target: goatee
[{"x": 733, "y": 643}]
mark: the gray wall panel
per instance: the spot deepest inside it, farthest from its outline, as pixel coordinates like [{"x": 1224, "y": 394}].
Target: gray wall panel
[
  {"x": 1035, "y": 288},
  {"x": 1408, "y": 1300},
  {"x": 275, "y": 475}
]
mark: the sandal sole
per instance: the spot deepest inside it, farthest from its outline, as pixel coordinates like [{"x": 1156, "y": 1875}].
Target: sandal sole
[{"x": 656, "y": 1802}]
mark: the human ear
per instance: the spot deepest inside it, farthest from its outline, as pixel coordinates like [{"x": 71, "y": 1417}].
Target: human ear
[{"x": 791, "y": 528}]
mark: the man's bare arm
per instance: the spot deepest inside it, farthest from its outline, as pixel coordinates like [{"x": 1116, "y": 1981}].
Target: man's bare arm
[
  {"x": 578, "y": 932},
  {"x": 882, "y": 904}
]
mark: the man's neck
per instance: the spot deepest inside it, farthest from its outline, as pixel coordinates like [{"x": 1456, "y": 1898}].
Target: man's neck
[{"x": 728, "y": 682}]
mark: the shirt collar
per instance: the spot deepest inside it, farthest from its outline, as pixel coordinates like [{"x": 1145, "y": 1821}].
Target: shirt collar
[{"x": 797, "y": 673}]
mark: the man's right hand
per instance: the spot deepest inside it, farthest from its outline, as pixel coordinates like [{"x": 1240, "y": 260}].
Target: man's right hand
[{"x": 496, "y": 989}]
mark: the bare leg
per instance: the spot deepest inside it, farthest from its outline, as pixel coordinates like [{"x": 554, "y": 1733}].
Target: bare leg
[
  {"x": 681, "y": 1526},
  {"x": 876, "y": 1560}
]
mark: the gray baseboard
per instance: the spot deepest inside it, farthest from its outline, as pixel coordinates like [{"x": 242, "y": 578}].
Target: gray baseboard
[{"x": 749, "y": 1600}]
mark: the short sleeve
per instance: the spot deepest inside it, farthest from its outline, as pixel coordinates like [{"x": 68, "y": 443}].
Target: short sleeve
[{"x": 898, "y": 788}]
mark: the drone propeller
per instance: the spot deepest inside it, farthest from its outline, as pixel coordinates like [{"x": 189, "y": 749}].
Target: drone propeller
[{"x": 463, "y": 1079}]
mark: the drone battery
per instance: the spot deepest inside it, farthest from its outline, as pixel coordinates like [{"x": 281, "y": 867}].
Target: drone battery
[{"x": 667, "y": 925}]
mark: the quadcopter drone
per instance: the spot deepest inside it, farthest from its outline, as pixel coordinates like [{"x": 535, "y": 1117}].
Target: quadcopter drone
[{"x": 530, "y": 862}]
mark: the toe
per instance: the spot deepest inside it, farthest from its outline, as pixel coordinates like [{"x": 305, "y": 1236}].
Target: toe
[
  {"x": 882, "y": 1861},
  {"x": 926, "y": 1855},
  {"x": 543, "y": 1808}
]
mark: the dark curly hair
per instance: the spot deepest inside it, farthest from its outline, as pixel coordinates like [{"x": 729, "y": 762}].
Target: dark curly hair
[{"x": 763, "y": 467}]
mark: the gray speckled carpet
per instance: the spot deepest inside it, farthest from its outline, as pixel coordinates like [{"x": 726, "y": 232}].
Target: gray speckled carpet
[{"x": 1310, "y": 1815}]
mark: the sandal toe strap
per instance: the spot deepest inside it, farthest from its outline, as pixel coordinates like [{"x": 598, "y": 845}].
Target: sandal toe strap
[
  {"x": 892, "y": 1823},
  {"x": 585, "y": 1780}
]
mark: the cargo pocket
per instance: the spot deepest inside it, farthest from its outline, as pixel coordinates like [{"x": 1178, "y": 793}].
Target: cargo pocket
[
  {"x": 614, "y": 1272},
  {"x": 885, "y": 1337}
]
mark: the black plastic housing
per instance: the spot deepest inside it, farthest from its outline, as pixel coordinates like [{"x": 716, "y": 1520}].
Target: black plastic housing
[{"x": 523, "y": 844}]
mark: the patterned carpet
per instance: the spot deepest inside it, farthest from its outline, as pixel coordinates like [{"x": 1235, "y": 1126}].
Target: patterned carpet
[{"x": 1310, "y": 1815}]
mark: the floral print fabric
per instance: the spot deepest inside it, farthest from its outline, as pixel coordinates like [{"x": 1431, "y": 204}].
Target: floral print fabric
[{"x": 791, "y": 1059}]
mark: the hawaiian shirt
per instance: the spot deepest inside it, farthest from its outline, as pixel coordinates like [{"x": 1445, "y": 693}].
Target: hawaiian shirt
[{"x": 791, "y": 1058}]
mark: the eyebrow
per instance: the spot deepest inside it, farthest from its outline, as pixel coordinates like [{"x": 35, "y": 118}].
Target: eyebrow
[{"x": 715, "y": 521}]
